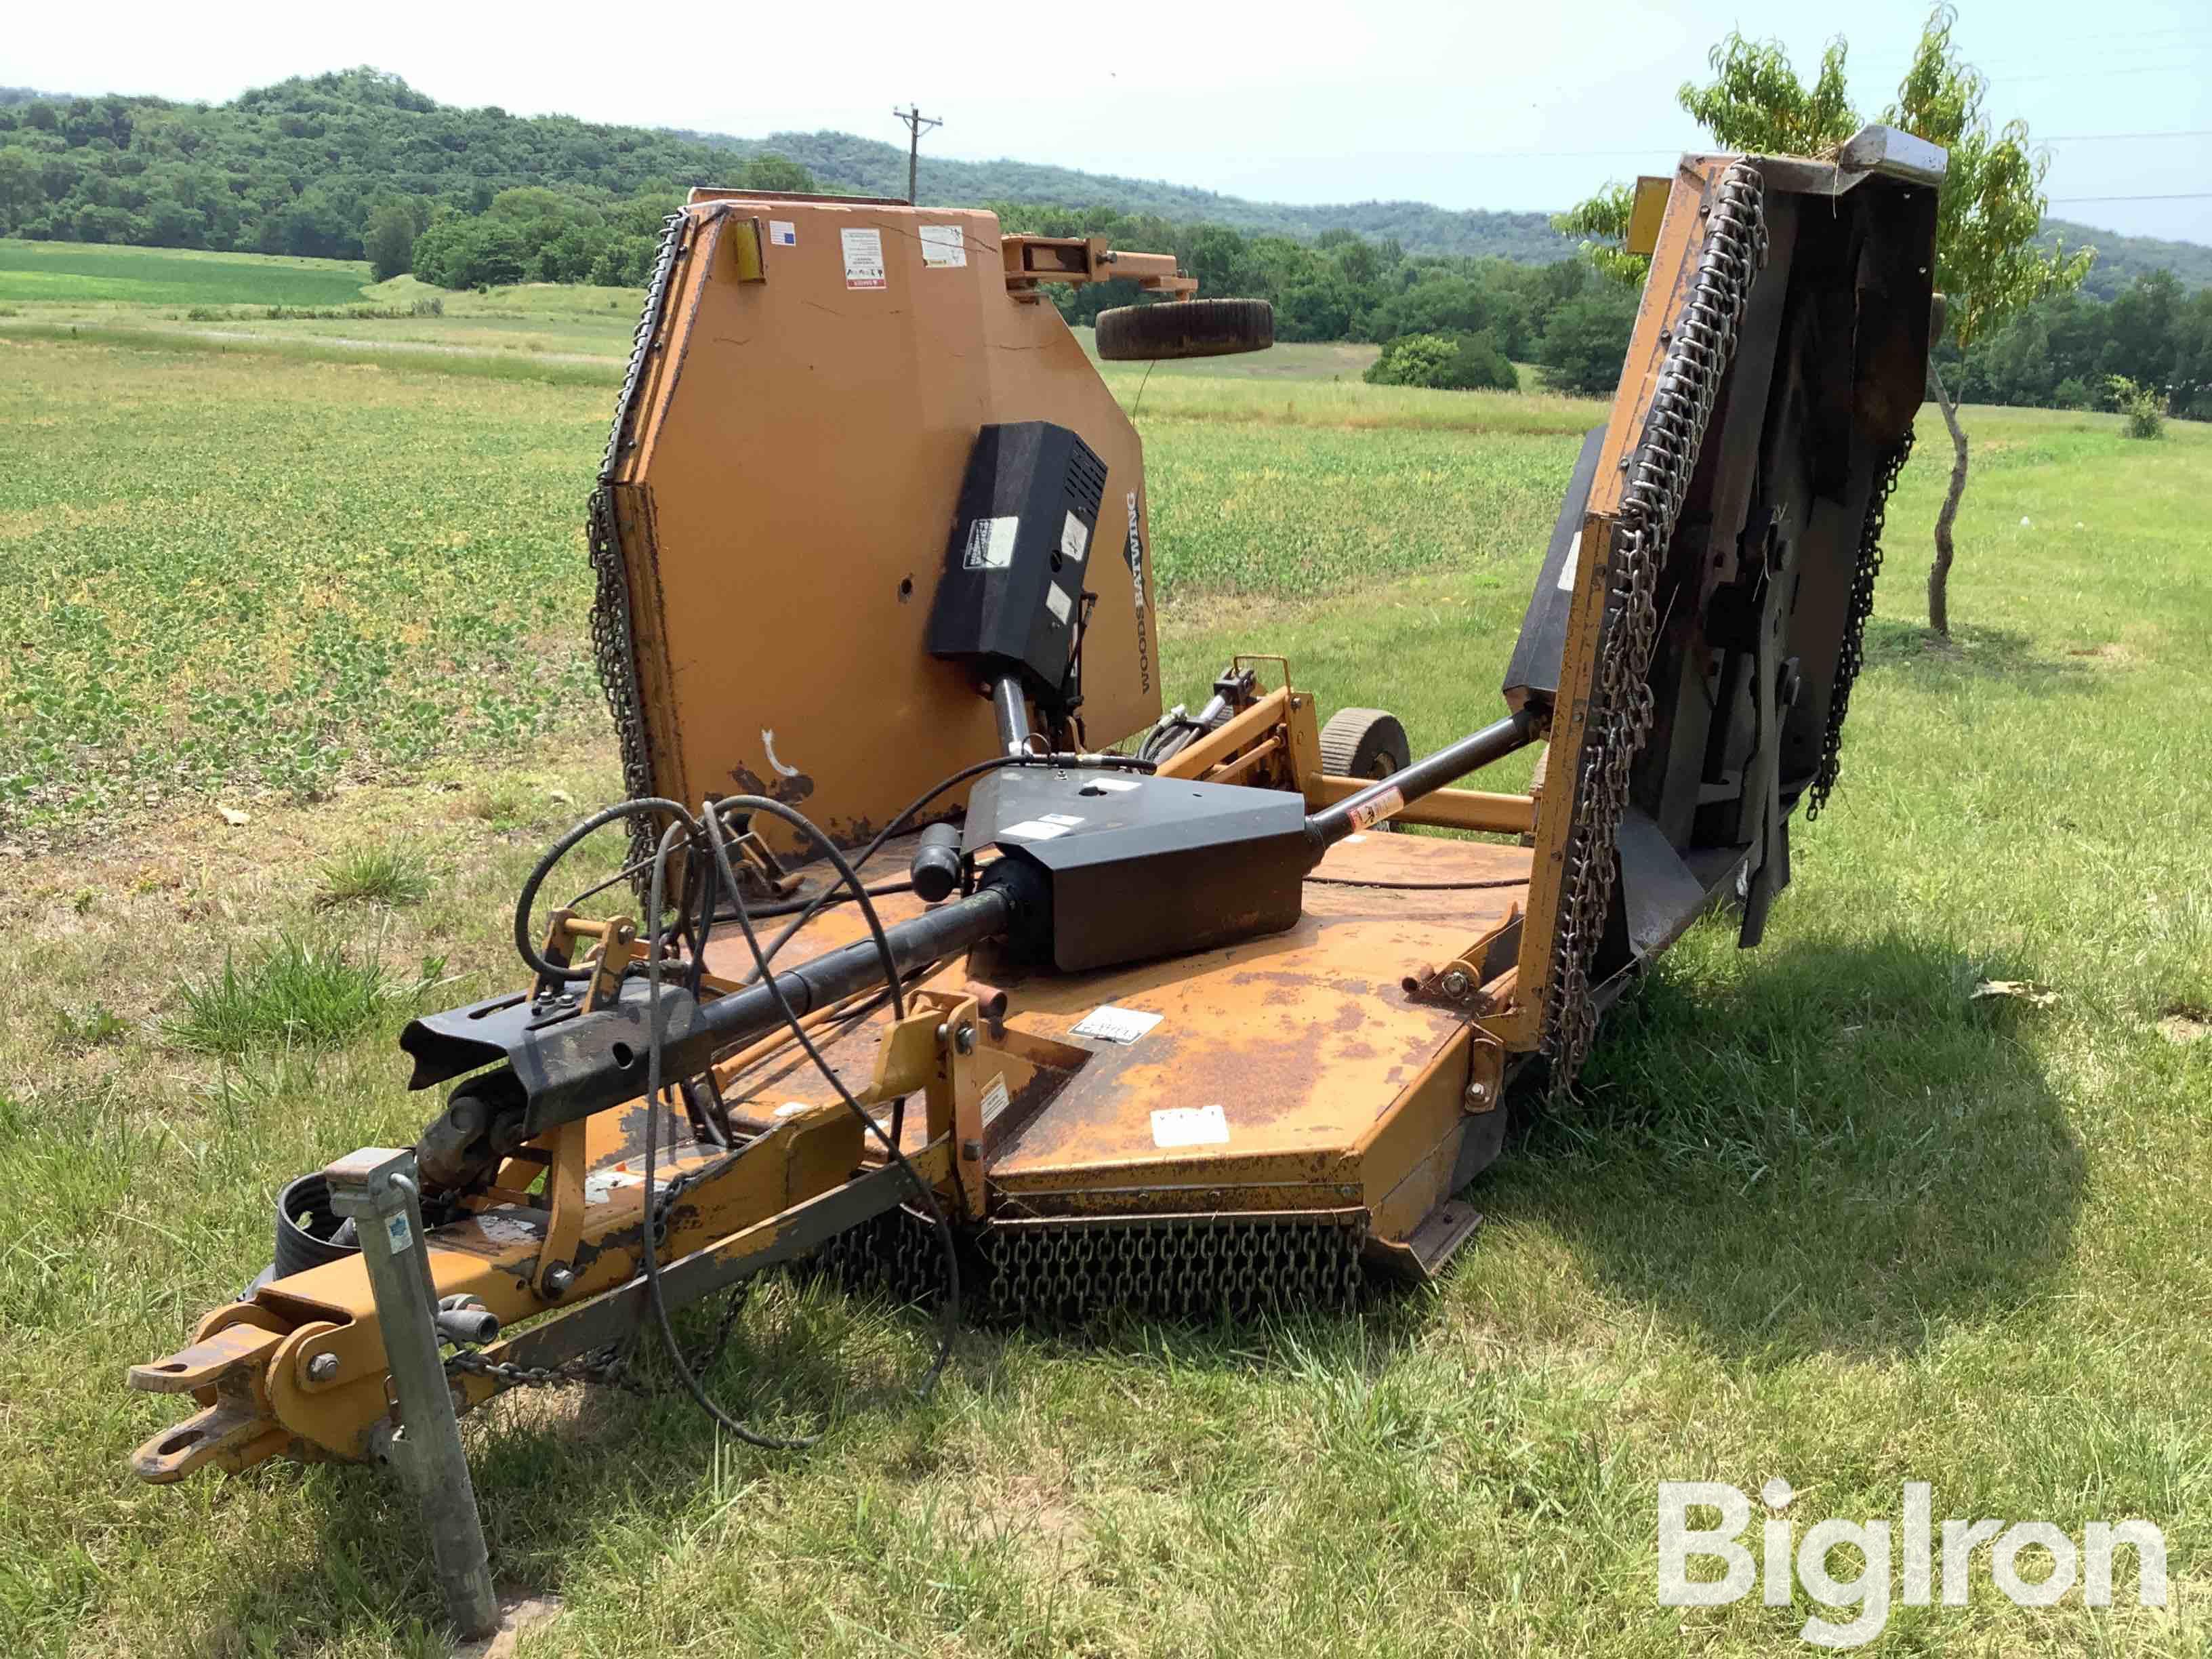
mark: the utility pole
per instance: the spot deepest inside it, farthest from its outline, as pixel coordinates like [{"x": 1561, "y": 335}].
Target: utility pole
[{"x": 916, "y": 125}]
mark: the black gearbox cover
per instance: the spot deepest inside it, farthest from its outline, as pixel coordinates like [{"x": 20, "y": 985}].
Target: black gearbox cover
[{"x": 1146, "y": 866}]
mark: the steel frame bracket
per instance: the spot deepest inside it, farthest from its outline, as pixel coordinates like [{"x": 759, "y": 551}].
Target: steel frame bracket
[{"x": 1467, "y": 985}]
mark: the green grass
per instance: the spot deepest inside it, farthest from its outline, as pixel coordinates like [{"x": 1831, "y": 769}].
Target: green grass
[
  {"x": 1816, "y": 1214},
  {"x": 242, "y": 611},
  {"x": 390, "y": 873},
  {"x": 298, "y": 992},
  {"x": 78, "y": 271}
]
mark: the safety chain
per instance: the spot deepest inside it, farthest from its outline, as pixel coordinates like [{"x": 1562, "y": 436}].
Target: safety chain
[
  {"x": 1853, "y": 656},
  {"x": 1619, "y": 716},
  {"x": 608, "y": 1367},
  {"x": 613, "y": 641}
]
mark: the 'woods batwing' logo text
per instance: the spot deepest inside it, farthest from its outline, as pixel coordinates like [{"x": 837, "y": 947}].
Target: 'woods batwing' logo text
[{"x": 1135, "y": 552}]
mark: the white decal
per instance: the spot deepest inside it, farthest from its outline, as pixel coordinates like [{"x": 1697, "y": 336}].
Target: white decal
[
  {"x": 944, "y": 246},
  {"x": 991, "y": 544},
  {"x": 864, "y": 258},
  {"x": 401, "y": 1235},
  {"x": 1107, "y": 1024},
  {"x": 995, "y": 1099},
  {"x": 1057, "y": 602},
  {"x": 781, "y": 233},
  {"x": 1190, "y": 1126},
  {"x": 1108, "y": 785},
  {"x": 1074, "y": 540},
  {"x": 1033, "y": 829},
  {"x": 1574, "y": 558}
]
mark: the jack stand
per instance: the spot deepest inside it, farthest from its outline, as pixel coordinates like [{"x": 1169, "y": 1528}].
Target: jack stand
[{"x": 376, "y": 1186}]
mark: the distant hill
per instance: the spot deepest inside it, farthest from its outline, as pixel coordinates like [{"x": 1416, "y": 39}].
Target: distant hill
[
  {"x": 2121, "y": 260},
  {"x": 869, "y": 167},
  {"x": 295, "y": 167}
]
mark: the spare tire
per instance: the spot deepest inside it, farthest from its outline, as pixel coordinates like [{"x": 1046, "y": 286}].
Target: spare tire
[
  {"x": 1185, "y": 328},
  {"x": 1364, "y": 742}
]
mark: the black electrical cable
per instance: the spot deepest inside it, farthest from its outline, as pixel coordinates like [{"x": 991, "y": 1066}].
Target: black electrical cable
[
  {"x": 836, "y": 893},
  {"x": 950, "y": 1319},
  {"x": 528, "y": 897},
  {"x": 649, "y": 1241},
  {"x": 714, "y": 831}
]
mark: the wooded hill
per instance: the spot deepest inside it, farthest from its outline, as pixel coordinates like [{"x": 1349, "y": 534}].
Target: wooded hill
[{"x": 296, "y": 168}]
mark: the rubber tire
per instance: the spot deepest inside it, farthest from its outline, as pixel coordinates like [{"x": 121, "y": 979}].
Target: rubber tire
[
  {"x": 1364, "y": 742},
  {"x": 1172, "y": 329},
  {"x": 315, "y": 1245}
]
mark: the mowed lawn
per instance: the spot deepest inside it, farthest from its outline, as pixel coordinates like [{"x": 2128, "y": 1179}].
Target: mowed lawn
[{"x": 1817, "y": 1214}]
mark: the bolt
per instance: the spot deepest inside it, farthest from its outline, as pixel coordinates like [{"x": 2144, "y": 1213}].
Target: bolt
[
  {"x": 322, "y": 1367},
  {"x": 971, "y": 1151},
  {"x": 964, "y": 1040},
  {"x": 558, "y": 1280},
  {"x": 1454, "y": 984},
  {"x": 1478, "y": 1096}
]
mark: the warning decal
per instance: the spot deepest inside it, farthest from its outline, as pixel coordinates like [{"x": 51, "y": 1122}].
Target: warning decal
[
  {"x": 781, "y": 233},
  {"x": 990, "y": 544},
  {"x": 944, "y": 246},
  {"x": 1367, "y": 817},
  {"x": 864, "y": 258}
]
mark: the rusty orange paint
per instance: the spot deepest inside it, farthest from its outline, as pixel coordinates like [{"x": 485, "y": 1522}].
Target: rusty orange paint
[{"x": 783, "y": 516}]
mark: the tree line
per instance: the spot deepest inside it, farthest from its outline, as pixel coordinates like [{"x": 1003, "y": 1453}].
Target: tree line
[
  {"x": 357, "y": 164},
  {"x": 2065, "y": 351}
]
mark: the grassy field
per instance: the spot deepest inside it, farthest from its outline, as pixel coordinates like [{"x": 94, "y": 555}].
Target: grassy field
[
  {"x": 74, "y": 273},
  {"x": 1816, "y": 1215}
]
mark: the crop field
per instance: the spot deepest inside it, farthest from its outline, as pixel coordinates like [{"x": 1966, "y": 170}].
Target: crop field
[
  {"x": 78, "y": 272},
  {"x": 1816, "y": 1213},
  {"x": 206, "y": 601}
]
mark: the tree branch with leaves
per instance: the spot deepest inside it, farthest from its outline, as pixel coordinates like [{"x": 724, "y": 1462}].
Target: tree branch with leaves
[{"x": 1989, "y": 264}]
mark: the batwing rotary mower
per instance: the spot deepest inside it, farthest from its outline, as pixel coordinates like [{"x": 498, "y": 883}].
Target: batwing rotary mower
[{"x": 960, "y": 968}]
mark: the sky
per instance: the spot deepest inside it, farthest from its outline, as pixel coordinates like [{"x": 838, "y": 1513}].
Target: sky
[{"x": 1467, "y": 106}]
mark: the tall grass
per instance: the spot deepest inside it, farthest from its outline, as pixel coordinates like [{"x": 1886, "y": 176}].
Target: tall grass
[{"x": 300, "y": 992}]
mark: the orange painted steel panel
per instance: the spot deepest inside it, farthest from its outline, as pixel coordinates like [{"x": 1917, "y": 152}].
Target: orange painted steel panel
[
  {"x": 802, "y": 441},
  {"x": 1307, "y": 1041}
]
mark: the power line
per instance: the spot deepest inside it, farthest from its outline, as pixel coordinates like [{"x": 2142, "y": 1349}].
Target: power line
[
  {"x": 2177, "y": 196},
  {"x": 916, "y": 125},
  {"x": 2112, "y": 137}
]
